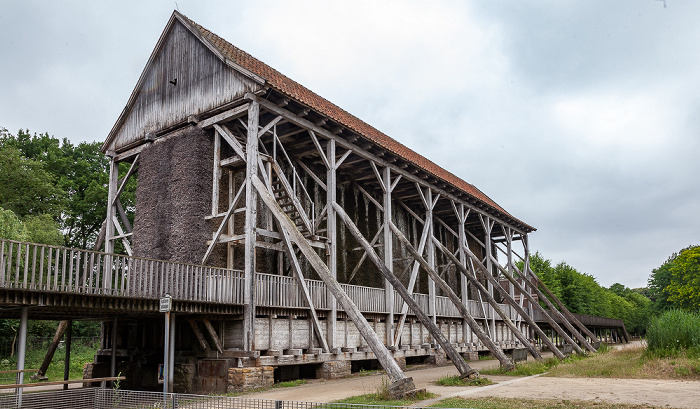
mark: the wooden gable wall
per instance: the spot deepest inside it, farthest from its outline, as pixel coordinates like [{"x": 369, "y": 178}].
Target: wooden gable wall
[{"x": 204, "y": 82}]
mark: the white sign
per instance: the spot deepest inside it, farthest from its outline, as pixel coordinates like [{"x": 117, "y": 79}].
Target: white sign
[{"x": 165, "y": 304}]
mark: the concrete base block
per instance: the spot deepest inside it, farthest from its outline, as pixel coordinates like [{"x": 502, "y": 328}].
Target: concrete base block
[
  {"x": 333, "y": 370},
  {"x": 295, "y": 352},
  {"x": 471, "y": 356},
  {"x": 314, "y": 351},
  {"x": 241, "y": 379},
  {"x": 273, "y": 352}
]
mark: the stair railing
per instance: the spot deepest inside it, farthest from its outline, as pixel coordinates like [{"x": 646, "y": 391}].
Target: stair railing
[{"x": 292, "y": 189}]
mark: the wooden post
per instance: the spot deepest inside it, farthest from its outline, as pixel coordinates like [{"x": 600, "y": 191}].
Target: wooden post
[
  {"x": 113, "y": 358},
  {"x": 388, "y": 255},
  {"x": 331, "y": 227},
  {"x": 430, "y": 204},
  {"x": 109, "y": 226},
  {"x": 488, "y": 228},
  {"x": 464, "y": 369},
  {"x": 464, "y": 282},
  {"x": 251, "y": 214},
  {"x": 495, "y": 350},
  {"x": 393, "y": 371}
]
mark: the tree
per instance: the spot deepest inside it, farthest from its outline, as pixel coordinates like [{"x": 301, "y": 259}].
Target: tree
[
  {"x": 671, "y": 284},
  {"x": 684, "y": 290},
  {"x": 80, "y": 173},
  {"x": 26, "y": 188},
  {"x": 11, "y": 227}
]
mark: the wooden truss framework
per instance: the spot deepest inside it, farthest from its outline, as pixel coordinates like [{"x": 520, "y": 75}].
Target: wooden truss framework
[{"x": 279, "y": 144}]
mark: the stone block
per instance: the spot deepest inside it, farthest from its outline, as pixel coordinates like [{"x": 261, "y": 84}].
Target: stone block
[
  {"x": 471, "y": 356},
  {"x": 314, "y": 351},
  {"x": 183, "y": 378},
  {"x": 333, "y": 370},
  {"x": 241, "y": 379},
  {"x": 273, "y": 352},
  {"x": 519, "y": 354},
  {"x": 293, "y": 351},
  {"x": 438, "y": 358},
  {"x": 401, "y": 361},
  {"x": 213, "y": 367}
]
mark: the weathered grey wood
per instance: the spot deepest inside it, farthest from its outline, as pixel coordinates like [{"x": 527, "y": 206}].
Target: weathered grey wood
[
  {"x": 299, "y": 275},
  {"x": 464, "y": 369},
  {"x": 212, "y": 333},
  {"x": 466, "y": 273},
  {"x": 224, "y": 116},
  {"x": 109, "y": 230},
  {"x": 364, "y": 255},
  {"x": 123, "y": 216},
  {"x": 198, "y": 334},
  {"x": 332, "y": 234},
  {"x": 313, "y": 176},
  {"x": 223, "y": 224},
  {"x": 216, "y": 174},
  {"x": 251, "y": 216},
  {"x": 231, "y": 140},
  {"x": 506, "y": 363},
  {"x": 412, "y": 281},
  {"x": 385, "y": 359},
  {"x": 386, "y": 183}
]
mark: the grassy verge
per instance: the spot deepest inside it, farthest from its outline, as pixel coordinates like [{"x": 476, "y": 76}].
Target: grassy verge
[
  {"x": 504, "y": 403},
  {"x": 381, "y": 397},
  {"x": 457, "y": 381}
]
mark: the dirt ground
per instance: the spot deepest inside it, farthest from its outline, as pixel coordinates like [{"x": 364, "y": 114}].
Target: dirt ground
[{"x": 661, "y": 393}]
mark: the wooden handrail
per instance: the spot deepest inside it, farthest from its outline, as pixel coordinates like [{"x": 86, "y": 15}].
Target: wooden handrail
[{"x": 29, "y": 385}]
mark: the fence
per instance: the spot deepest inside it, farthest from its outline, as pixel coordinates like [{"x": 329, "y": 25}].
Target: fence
[
  {"x": 38, "y": 267},
  {"x": 97, "y": 398}
]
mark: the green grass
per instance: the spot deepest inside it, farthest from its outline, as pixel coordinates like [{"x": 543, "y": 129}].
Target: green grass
[
  {"x": 505, "y": 403},
  {"x": 82, "y": 352},
  {"x": 290, "y": 384},
  {"x": 374, "y": 399},
  {"x": 674, "y": 332},
  {"x": 457, "y": 381}
]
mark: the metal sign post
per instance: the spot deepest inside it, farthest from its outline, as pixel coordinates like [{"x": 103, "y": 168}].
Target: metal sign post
[{"x": 165, "y": 306}]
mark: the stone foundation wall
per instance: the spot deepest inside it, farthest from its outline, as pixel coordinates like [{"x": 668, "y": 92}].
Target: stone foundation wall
[{"x": 241, "y": 379}]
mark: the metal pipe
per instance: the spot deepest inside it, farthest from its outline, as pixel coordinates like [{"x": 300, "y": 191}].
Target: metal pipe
[
  {"x": 166, "y": 353},
  {"x": 113, "y": 363},
  {"x": 171, "y": 353},
  {"x": 21, "y": 352}
]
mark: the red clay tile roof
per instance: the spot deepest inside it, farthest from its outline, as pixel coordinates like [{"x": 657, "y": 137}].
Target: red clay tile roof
[{"x": 296, "y": 91}]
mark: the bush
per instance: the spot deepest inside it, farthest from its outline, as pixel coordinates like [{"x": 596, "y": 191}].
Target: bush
[{"x": 673, "y": 332}]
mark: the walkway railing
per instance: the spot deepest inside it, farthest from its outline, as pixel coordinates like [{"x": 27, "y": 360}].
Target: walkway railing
[{"x": 43, "y": 268}]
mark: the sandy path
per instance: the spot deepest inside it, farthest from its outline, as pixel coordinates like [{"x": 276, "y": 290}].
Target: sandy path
[{"x": 662, "y": 393}]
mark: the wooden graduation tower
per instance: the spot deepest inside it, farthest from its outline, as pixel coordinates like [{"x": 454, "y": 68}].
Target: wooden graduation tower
[{"x": 302, "y": 241}]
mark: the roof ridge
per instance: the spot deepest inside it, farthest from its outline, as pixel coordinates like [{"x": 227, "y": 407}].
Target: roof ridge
[{"x": 293, "y": 89}]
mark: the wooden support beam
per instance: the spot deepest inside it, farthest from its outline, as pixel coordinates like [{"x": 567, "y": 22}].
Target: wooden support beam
[
  {"x": 251, "y": 216},
  {"x": 489, "y": 298},
  {"x": 332, "y": 234},
  {"x": 562, "y": 307},
  {"x": 223, "y": 224},
  {"x": 537, "y": 306},
  {"x": 464, "y": 369},
  {"x": 212, "y": 334},
  {"x": 506, "y": 363},
  {"x": 466, "y": 273},
  {"x": 224, "y": 116},
  {"x": 394, "y": 372},
  {"x": 198, "y": 334},
  {"x": 556, "y": 312},
  {"x": 299, "y": 275},
  {"x": 230, "y": 138}
]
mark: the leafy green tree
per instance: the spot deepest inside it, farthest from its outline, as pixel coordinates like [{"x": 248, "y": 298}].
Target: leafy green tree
[
  {"x": 80, "y": 172},
  {"x": 26, "y": 188},
  {"x": 671, "y": 284},
  {"x": 684, "y": 290},
  {"x": 11, "y": 226}
]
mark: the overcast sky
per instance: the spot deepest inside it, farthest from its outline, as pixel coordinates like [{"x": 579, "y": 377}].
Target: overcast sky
[{"x": 579, "y": 118}]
